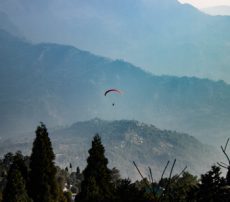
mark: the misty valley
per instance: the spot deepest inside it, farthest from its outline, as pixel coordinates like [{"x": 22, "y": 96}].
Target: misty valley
[{"x": 114, "y": 101}]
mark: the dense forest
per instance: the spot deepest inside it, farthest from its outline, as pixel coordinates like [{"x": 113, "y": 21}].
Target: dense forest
[{"x": 36, "y": 178}]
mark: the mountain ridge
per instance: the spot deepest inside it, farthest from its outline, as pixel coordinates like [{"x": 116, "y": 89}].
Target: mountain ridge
[
  {"x": 149, "y": 34},
  {"x": 125, "y": 141},
  {"x": 59, "y": 85}
]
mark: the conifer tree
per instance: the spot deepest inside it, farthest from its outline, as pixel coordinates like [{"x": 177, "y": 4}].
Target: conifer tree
[
  {"x": 15, "y": 190},
  {"x": 22, "y": 163},
  {"x": 212, "y": 187},
  {"x": 96, "y": 186},
  {"x": 43, "y": 183}
]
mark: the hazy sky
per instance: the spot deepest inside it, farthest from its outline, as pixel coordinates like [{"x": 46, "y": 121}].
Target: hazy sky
[{"x": 206, "y": 3}]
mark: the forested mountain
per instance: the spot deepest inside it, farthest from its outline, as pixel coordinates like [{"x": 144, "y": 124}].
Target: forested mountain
[
  {"x": 126, "y": 141},
  {"x": 7, "y": 25},
  {"x": 60, "y": 85},
  {"x": 63, "y": 87}
]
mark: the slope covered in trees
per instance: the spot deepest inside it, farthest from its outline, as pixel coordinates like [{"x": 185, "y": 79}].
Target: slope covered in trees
[
  {"x": 97, "y": 182},
  {"x": 71, "y": 88},
  {"x": 125, "y": 141}
]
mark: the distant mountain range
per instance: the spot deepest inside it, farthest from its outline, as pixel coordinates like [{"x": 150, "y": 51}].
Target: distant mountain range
[
  {"x": 7, "y": 25},
  {"x": 125, "y": 141},
  {"x": 162, "y": 36},
  {"x": 60, "y": 84}
]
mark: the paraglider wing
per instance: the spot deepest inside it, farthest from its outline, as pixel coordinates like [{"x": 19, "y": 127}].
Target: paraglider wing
[{"x": 111, "y": 90}]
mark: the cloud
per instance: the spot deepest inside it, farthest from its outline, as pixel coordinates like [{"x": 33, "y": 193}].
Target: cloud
[{"x": 206, "y": 3}]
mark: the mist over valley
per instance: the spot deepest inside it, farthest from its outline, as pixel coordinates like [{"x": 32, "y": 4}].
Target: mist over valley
[{"x": 169, "y": 60}]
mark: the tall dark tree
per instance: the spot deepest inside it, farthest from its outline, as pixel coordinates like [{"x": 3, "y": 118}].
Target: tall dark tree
[
  {"x": 15, "y": 190},
  {"x": 22, "y": 163},
  {"x": 97, "y": 184},
  {"x": 43, "y": 183},
  {"x": 212, "y": 187}
]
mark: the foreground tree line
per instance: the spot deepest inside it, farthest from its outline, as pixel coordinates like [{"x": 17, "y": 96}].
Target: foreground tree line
[{"x": 35, "y": 178}]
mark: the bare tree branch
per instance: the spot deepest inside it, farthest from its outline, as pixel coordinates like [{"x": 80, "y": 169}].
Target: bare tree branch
[
  {"x": 150, "y": 171},
  {"x": 170, "y": 175},
  {"x": 182, "y": 171},
  {"x": 164, "y": 170},
  {"x": 225, "y": 154},
  {"x": 226, "y": 144},
  {"x": 138, "y": 170},
  {"x": 142, "y": 177},
  {"x": 222, "y": 165}
]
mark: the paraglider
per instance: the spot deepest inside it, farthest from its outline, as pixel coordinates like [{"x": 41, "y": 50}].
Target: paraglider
[{"x": 110, "y": 91}]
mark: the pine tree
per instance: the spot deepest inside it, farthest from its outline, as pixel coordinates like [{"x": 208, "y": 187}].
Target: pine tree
[
  {"x": 15, "y": 190},
  {"x": 96, "y": 186},
  {"x": 212, "y": 187},
  {"x": 43, "y": 183},
  {"x": 22, "y": 163}
]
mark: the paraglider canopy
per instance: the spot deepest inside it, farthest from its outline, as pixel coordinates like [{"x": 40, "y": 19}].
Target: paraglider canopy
[{"x": 112, "y": 90}]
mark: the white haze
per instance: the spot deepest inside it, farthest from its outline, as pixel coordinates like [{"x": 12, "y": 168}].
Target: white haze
[{"x": 206, "y": 3}]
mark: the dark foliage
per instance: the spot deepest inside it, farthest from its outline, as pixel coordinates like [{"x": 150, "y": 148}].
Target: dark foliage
[
  {"x": 35, "y": 178},
  {"x": 128, "y": 192},
  {"x": 212, "y": 188},
  {"x": 43, "y": 184},
  {"x": 177, "y": 188},
  {"x": 97, "y": 185},
  {"x": 15, "y": 189}
]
